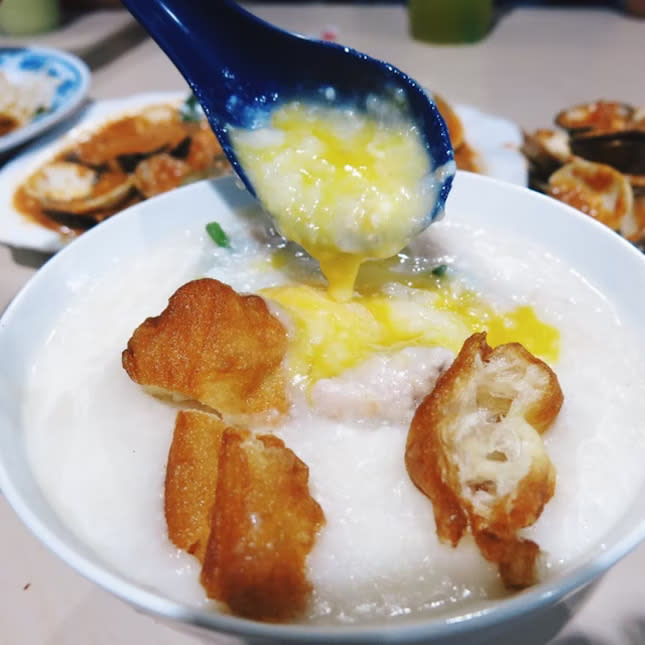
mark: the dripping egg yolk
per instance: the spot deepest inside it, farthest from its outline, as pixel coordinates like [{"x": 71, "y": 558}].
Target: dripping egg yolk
[
  {"x": 392, "y": 310},
  {"x": 345, "y": 184}
]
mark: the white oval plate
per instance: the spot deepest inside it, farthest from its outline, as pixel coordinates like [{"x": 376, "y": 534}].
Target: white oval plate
[
  {"x": 68, "y": 74},
  {"x": 496, "y": 140}
]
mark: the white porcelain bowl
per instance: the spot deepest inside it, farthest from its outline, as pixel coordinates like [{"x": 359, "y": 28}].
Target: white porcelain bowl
[{"x": 605, "y": 259}]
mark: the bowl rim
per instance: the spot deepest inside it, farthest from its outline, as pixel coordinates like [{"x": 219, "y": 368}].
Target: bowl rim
[{"x": 156, "y": 604}]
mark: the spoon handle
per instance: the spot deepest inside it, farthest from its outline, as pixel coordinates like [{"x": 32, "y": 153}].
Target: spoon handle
[{"x": 207, "y": 41}]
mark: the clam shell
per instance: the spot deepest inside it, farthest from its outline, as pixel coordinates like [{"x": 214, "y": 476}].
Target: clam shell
[
  {"x": 68, "y": 187},
  {"x": 596, "y": 115},
  {"x": 597, "y": 190},
  {"x": 623, "y": 150},
  {"x": 546, "y": 151}
]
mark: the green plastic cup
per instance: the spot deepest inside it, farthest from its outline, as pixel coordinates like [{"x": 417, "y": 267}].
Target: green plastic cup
[
  {"x": 22, "y": 17},
  {"x": 449, "y": 21}
]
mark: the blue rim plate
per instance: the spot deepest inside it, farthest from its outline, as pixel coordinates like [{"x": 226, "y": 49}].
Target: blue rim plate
[{"x": 71, "y": 77}]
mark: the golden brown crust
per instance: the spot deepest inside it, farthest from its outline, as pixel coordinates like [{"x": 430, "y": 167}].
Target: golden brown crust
[
  {"x": 474, "y": 449},
  {"x": 241, "y": 505},
  {"x": 215, "y": 346},
  {"x": 516, "y": 558},
  {"x": 541, "y": 402},
  {"x": 264, "y": 525},
  {"x": 191, "y": 480}
]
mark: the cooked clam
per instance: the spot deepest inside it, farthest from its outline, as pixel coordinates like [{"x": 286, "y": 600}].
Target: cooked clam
[
  {"x": 546, "y": 150},
  {"x": 621, "y": 149},
  {"x": 160, "y": 173},
  {"x": 156, "y": 129},
  {"x": 597, "y": 115},
  {"x": 597, "y": 190},
  {"x": 69, "y": 187},
  {"x": 603, "y": 152}
]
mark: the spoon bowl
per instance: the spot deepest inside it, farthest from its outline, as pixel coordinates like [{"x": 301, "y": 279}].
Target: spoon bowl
[{"x": 240, "y": 68}]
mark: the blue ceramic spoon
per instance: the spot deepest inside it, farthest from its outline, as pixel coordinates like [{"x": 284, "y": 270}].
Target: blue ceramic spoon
[{"x": 239, "y": 67}]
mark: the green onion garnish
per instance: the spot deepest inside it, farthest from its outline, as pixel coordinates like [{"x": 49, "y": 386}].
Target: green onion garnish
[
  {"x": 190, "y": 109},
  {"x": 218, "y": 235}
]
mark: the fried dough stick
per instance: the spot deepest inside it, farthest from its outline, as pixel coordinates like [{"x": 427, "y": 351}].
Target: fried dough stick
[
  {"x": 474, "y": 448},
  {"x": 264, "y": 525},
  {"x": 241, "y": 505},
  {"x": 191, "y": 480},
  {"x": 212, "y": 345}
]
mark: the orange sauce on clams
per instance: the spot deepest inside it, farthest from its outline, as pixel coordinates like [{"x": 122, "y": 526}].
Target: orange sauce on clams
[{"x": 155, "y": 149}]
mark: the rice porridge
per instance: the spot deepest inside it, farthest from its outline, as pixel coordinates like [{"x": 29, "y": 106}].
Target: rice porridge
[{"x": 99, "y": 444}]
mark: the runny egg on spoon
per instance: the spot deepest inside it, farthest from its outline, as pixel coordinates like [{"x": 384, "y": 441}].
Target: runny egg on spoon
[{"x": 347, "y": 183}]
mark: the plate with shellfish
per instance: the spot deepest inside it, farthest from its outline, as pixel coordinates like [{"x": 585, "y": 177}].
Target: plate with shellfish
[
  {"x": 124, "y": 151},
  {"x": 119, "y": 152},
  {"x": 594, "y": 160}
]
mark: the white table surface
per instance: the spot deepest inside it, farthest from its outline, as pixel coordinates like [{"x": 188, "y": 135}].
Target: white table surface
[{"x": 533, "y": 63}]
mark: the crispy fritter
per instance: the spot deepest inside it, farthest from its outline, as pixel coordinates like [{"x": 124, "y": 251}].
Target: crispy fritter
[
  {"x": 264, "y": 525},
  {"x": 191, "y": 480},
  {"x": 474, "y": 448},
  {"x": 212, "y": 345},
  {"x": 241, "y": 505}
]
